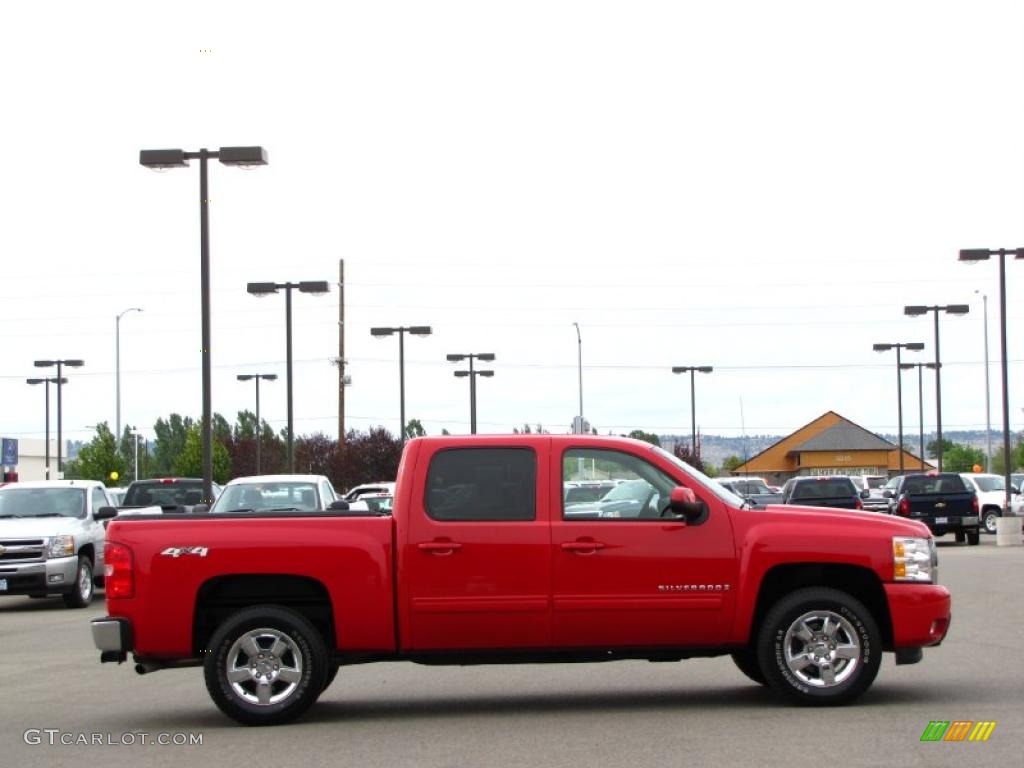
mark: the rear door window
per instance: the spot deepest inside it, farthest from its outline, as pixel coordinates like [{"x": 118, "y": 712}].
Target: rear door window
[{"x": 480, "y": 484}]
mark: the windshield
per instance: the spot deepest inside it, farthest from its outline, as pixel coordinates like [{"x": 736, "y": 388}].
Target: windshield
[
  {"x": 749, "y": 487},
  {"x": 924, "y": 484},
  {"x": 268, "y": 496},
  {"x": 42, "y": 502},
  {"x": 702, "y": 480},
  {"x": 632, "y": 490},
  {"x": 165, "y": 494}
]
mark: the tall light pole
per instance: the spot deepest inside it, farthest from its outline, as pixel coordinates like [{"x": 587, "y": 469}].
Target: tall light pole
[
  {"x": 920, "y": 402},
  {"x": 988, "y": 405},
  {"x": 914, "y": 310},
  {"x": 117, "y": 374},
  {"x": 911, "y": 346},
  {"x": 472, "y": 373},
  {"x": 135, "y": 434},
  {"x": 983, "y": 254},
  {"x": 401, "y": 330},
  {"x": 692, "y": 369},
  {"x": 265, "y": 289},
  {"x": 579, "y": 347},
  {"x": 59, "y": 381},
  {"x": 161, "y": 159},
  {"x": 47, "y": 381},
  {"x": 259, "y": 426}
]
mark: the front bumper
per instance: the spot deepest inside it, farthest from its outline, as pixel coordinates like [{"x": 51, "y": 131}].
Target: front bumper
[
  {"x": 920, "y": 614},
  {"x": 40, "y": 578},
  {"x": 113, "y": 638}
]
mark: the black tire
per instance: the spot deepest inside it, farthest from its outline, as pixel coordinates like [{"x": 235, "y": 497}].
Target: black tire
[
  {"x": 959, "y": 535},
  {"x": 82, "y": 593},
  {"x": 301, "y": 654},
  {"x": 332, "y": 672},
  {"x": 973, "y": 538},
  {"x": 989, "y": 515},
  {"x": 856, "y": 631},
  {"x": 746, "y": 662}
]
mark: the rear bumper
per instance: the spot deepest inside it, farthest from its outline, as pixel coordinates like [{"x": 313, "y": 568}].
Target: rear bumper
[
  {"x": 45, "y": 577},
  {"x": 920, "y": 614},
  {"x": 113, "y": 638}
]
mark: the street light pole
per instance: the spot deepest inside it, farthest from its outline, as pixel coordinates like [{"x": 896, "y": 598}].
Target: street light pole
[
  {"x": 692, "y": 369},
  {"x": 415, "y": 330},
  {"x": 117, "y": 374},
  {"x": 579, "y": 345},
  {"x": 161, "y": 159},
  {"x": 472, "y": 373},
  {"x": 265, "y": 289},
  {"x": 259, "y": 426},
  {"x": 920, "y": 402},
  {"x": 950, "y": 309},
  {"x": 988, "y": 408},
  {"x": 46, "y": 382},
  {"x": 59, "y": 380},
  {"x": 911, "y": 346},
  {"x": 983, "y": 254}
]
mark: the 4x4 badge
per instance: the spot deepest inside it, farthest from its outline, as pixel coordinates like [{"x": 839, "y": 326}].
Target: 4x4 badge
[{"x": 179, "y": 551}]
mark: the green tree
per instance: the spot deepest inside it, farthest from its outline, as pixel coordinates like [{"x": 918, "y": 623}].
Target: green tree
[
  {"x": 961, "y": 458},
  {"x": 999, "y": 460},
  {"x": 731, "y": 462},
  {"x": 647, "y": 437},
  {"x": 97, "y": 459},
  {"x": 189, "y": 462},
  {"x": 170, "y": 442},
  {"x": 932, "y": 449},
  {"x": 415, "y": 429}
]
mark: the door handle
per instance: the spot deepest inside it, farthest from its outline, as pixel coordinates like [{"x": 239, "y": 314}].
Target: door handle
[
  {"x": 582, "y": 547},
  {"x": 440, "y": 548}
]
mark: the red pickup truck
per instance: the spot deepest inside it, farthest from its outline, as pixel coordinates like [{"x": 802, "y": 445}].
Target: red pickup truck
[{"x": 479, "y": 563}]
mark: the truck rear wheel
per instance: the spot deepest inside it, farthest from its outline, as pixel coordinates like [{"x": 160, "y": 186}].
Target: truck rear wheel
[
  {"x": 989, "y": 516},
  {"x": 819, "y": 646},
  {"x": 973, "y": 537},
  {"x": 267, "y": 665}
]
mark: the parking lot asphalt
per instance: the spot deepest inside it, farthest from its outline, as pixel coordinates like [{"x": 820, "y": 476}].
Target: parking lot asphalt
[{"x": 701, "y": 712}]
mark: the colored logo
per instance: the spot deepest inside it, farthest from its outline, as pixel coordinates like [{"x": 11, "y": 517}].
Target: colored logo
[{"x": 958, "y": 730}]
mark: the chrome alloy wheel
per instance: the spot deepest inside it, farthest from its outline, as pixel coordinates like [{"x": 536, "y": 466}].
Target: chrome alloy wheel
[
  {"x": 264, "y": 666},
  {"x": 85, "y": 585},
  {"x": 822, "y": 649}
]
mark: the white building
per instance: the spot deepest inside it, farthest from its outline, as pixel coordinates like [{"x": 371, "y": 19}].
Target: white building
[{"x": 32, "y": 459}]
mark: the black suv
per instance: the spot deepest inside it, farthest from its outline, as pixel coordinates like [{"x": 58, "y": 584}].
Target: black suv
[
  {"x": 824, "y": 491},
  {"x": 174, "y": 494}
]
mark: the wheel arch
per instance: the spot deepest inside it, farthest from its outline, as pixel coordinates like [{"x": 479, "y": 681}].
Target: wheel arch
[
  {"x": 224, "y": 595},
  {"x": 857, "y": 581}
]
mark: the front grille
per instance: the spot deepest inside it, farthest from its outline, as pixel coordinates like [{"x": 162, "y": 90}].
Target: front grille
[{"x": 21, "y": 550}]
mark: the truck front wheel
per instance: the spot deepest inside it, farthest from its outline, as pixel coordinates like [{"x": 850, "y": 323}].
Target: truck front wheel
[
  {"x": 81, "y": 594},
  {"x": 266, "y": 665},
  {"x": 746, "y": 662},
  {"x": 819, "y": 646}
]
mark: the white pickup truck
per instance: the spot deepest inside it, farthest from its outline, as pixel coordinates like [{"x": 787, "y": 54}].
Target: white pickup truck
[
  {"x": 50, "y": 540},
  {"x": 991, "y": 490}
]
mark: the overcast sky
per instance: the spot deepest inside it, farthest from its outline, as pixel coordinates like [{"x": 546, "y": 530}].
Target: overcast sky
[{"x": 756, "y": 186}]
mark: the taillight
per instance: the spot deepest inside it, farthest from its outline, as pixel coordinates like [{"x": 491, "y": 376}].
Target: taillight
[
  {"x": 903, "y": 508},
  {"x": 859, "y": 504},
  {"x": 118, "y": 575},
  {"x": 975, "y": 506}
]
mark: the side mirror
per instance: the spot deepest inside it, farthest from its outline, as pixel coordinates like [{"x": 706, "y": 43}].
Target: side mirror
[
  {"x": 684, "y": 502},
  {"x": 339, "y": 504},
  {"x": 200, "y": 509},
  {"x": 865, "y": 494},
  {"x": 887, "y": 494},
  {"x": 105, "y": 513}
]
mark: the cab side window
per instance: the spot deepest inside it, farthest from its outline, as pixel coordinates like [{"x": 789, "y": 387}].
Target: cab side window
[
  {"x": 482, "y": 484},
  {"x": 636, "y": 489},
  {"x": 99, "y": 499}
]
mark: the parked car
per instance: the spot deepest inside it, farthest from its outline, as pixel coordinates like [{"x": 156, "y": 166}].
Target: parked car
[
  {"x": 941, "y": 500},
  {"x": 50, "y": 539},
  {"x": 823, "y": 491},
  {"x": 480, "y": 562},
  {"x": 875, "y": 500},
  {"x": 375, "y": 502},
  {"x": 276, "y": 493},
  {"x": 379, "y": 487},
  {"x": 577, "y": 491},
  {"x": 630, "y": 498},
  {"x": 991, "y": 491},
  {"x": 170, "y": 494},
  {"x": 753, "y": 489},
  {"x": 116, "y": 495},
  {"x": 1017, "y": 481}
]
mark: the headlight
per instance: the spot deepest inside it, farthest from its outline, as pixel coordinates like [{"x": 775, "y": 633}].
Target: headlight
[
  {"x": 914, "y": 559},
  {"x": 61, "y": 546}
]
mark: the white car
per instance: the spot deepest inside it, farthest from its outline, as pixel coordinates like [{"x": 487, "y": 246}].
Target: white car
[
  {"x": 383, "y": 486},
  {"x": 50, "y": 539},
  {"x": 276, "y": 493},
  {"x": 991, "y": 490}
]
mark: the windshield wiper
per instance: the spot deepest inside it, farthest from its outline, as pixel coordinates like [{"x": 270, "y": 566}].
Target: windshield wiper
[
  {"x": 47, "y": 514},
  {"x": 284, "y": 509}
]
